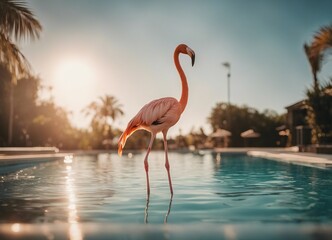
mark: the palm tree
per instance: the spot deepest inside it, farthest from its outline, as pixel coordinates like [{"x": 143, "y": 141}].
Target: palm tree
[
  {"x": 316, "y": 50},
  {"x": 17, "y": 23},
  {"x": 103, "y": 111},
  {"x": 319, "y": 99}
]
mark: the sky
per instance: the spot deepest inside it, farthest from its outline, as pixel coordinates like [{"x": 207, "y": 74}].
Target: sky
[{"x": 125, "y": 49}]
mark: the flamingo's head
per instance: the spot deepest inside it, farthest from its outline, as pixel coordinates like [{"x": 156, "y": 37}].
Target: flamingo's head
[{"x": 183, "y": 48}]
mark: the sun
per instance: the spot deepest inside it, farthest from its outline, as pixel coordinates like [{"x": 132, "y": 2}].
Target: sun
[{"x": 74, "y": 83}]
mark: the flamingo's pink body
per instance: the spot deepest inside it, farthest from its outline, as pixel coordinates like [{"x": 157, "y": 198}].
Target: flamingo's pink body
[{"x": 159, "y": 115}]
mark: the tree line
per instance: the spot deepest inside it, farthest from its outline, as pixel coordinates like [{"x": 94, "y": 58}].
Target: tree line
[{"x": 43, "y": 123}]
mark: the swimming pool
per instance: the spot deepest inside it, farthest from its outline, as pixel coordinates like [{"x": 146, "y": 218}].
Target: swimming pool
[{"x": 208, "y": 189}]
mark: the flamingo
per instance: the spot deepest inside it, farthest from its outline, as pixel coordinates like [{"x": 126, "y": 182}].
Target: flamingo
[{"x": 159, "y": 115}]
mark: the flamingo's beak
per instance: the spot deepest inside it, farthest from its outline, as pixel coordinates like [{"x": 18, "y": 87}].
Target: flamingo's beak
[{"x": 191, "y": 53}]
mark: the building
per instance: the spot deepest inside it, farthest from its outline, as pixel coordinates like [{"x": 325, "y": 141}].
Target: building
[{"x": 300, "y": 132}]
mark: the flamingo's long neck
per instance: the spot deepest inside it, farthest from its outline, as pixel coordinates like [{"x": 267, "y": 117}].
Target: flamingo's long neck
[{"x": 184, "y": 96}]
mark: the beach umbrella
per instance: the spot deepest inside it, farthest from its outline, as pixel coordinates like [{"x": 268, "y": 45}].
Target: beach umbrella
[
  {"x": 221, "y": 136},
  {"x": 250, "y": 133},
  {"x": 221, "y": 133}
]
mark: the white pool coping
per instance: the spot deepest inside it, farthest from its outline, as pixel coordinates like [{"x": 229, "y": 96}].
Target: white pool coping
[
  {"x": 309, "y": 159},
  {"x": 287, "y": 155},
  {"x": 29, "y": 158}
]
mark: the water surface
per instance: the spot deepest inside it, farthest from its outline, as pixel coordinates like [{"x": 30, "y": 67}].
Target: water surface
[{"x": 207, "y": 188}]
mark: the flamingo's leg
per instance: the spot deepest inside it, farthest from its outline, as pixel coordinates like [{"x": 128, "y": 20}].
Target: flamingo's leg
[
  {"x": 167, "y": 163},
  {"x": 146, "y": 165}
]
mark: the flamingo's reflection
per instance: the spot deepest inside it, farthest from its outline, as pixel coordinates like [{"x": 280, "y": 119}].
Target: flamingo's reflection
[
  {"x": 146, "y": 211},
  {"x": 169, "y": 208}
]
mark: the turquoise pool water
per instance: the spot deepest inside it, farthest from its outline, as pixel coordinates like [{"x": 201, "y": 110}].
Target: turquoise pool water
[{"x": 231, "y": 189}]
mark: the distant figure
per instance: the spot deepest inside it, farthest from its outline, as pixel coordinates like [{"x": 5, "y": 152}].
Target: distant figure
[{"x": 159, "y": 115}]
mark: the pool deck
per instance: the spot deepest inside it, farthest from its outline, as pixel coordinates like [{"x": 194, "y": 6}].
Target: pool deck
[
  {"x": 288, "y": 155},
  {"x": 16, "y": 159},
  {"x": 308, "y": 159},
  {"x": 12, "y": 159}
]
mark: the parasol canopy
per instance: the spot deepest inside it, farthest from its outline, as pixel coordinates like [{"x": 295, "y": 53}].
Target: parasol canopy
[
  {"x": 221, "y": 133},
  {"x": 250, "y": 133}
]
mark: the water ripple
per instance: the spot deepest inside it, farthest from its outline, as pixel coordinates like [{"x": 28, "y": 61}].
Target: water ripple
[{"x": 106, "y": 188}]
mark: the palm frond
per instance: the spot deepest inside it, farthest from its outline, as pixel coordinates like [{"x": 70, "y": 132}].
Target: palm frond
[
  {"x": 315, "y": 58},
  {"x": 13, "y": 59},
  {"x": 322, "y": 39},
  {"x": 18, "y": 21}
]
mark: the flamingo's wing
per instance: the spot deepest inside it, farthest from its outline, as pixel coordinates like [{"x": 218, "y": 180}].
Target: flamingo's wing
[{"x": 154, "y": 113}]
